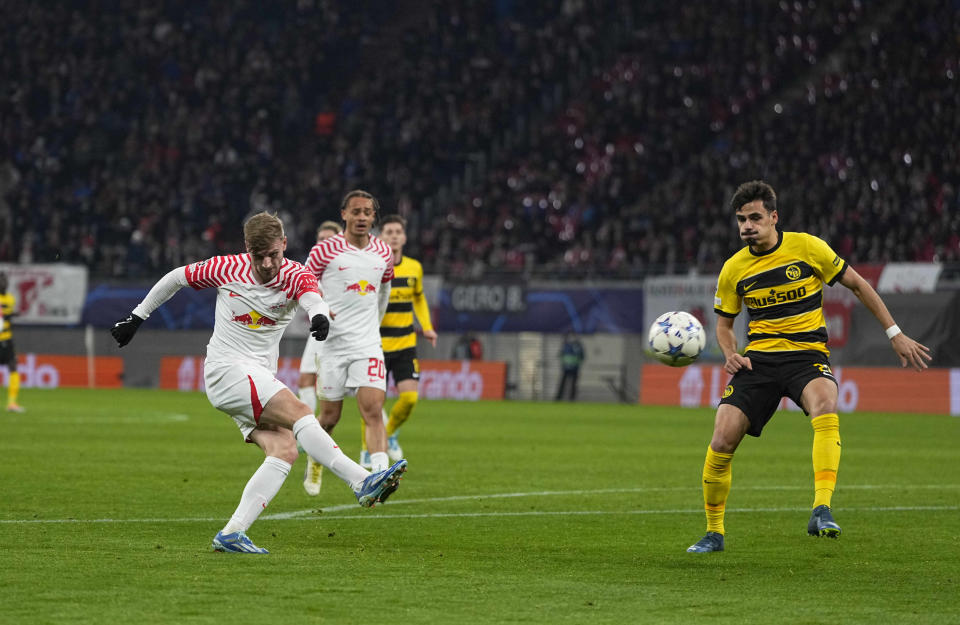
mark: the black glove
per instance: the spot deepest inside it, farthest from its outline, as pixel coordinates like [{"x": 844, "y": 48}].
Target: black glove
[
  {"x": 124, "y": 329},
  {"x": 319, "y": 327}
]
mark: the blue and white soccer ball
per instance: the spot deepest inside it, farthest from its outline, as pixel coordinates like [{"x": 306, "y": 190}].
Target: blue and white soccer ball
[{"x": 676, "y": 338}]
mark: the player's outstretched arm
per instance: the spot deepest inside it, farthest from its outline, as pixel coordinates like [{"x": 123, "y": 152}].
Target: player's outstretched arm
[
  {"x": 165, "y": 288},
  {"x": 911, "y": 353}
]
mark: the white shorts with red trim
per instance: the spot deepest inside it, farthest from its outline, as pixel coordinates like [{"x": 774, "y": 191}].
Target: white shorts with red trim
[
  {"x": 337, "y": 375},
  {"x": 240, "y": 389},
  {"x": 308, "y": 362}
]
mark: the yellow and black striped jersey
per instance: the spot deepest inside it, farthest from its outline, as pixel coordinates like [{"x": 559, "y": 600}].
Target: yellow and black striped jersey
[
  {"x": 782, "y": 289},
  {"x": 8, "y": 305},
  {"x": 406, "y": 298}
]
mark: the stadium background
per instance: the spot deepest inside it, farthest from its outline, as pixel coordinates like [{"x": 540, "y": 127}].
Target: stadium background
[{"x": 564, "y": 166}]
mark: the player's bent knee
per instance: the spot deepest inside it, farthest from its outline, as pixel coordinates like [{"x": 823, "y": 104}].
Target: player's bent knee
[
  {"x": 279, "y": 443},
  {"x": 288, "y": 454},
  {"x": 328, "y": 420},
  {"x": 817, "y": 406},
  {"x": 730, "y": 427},
  {"x": 723, "y": 445},
  {"x": 822, "y": 410}
]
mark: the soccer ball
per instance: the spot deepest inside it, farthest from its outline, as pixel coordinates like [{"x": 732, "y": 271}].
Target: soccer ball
[{"x": 676, "y": 338}]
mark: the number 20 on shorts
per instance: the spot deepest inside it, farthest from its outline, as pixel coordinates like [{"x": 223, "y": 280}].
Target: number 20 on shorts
[{"x": 376, "y": 369}]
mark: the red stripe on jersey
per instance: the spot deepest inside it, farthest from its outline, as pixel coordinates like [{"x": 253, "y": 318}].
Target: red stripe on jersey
[
  {"x": 218, "y": 271},
  {"x": 221, "y": 273},
  {"x": 233, "y": 268},
  {"x": 295, "y": 279},
  {"x": 282, "y": 280},
  {"x": 305, "y": 282},
  {"x": 283, "y": 275},
  {"x": 196, "y": 272},
  {"x": 203, "y": 273},
  {"x": 387, "y": 254},
  {"x": 255, "y": 401},
  {"x": 323, "y": 252}
]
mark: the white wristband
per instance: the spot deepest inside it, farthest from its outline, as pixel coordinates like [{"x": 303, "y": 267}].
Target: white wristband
[{"x": 893, "y": 330}]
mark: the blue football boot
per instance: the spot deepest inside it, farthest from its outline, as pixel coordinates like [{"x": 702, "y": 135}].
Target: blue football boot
[
  {"x": 236, "y": 542},
  {"x": 712, "y": 541},
  {"x": 822, "y": 523},
  {"x": 378, "y": 486}
]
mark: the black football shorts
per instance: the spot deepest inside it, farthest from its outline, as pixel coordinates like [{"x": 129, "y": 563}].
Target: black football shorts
[
  {"x": 402, "y": 364},
  {"x": 8, "y": 355},
  {"x": 758, "y": 392}
]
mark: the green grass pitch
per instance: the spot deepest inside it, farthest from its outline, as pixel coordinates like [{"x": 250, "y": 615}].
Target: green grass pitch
[{"x": 511, "y": 512}]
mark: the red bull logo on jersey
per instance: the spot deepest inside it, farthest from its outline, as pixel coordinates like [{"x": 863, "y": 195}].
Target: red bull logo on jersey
[
  {"x": 363, "y": 287},
  {"x": 254, "y": 320}
]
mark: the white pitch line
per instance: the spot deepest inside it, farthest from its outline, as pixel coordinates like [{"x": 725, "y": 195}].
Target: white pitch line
[
  {"x": 698, "y": 511},
  {"x": 140, "y": 419},
  {"x": 324, "y": 513},
  {"x": 600, "y": 491},
  {"x": 447, "y": 515}
]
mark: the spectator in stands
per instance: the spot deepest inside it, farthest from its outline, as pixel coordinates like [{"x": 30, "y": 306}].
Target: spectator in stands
[{"x": 547, "y": 137}]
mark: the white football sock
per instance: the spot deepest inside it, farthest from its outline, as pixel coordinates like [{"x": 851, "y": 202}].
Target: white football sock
[
  {"x": 379, "y": 461},
  {"x": 308, "y": 395},
  {"x": 318, "y": 444},
  {"x": 259, "y": 491}
]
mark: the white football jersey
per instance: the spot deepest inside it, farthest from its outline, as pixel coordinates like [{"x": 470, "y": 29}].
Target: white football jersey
[
  {"x": 350, "y": 281},
  {"x": 250, "y": 316}
]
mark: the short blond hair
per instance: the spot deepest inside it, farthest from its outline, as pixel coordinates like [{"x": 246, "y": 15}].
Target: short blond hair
[
  {"x": 261, "y": 231},
  {"x": 332, "y": 226}
]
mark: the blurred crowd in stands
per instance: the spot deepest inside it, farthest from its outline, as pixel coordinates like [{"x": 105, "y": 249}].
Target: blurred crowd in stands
[{"x": 577, "y": 138}]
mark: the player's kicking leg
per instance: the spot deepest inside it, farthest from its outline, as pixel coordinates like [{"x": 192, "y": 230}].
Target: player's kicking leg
[{"x": 378, "y": 486}]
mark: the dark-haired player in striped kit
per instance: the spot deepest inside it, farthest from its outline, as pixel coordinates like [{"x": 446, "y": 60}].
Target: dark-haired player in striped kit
[
  {"x": 355, "y": 269},
  {"x": 779, "y": 276}
]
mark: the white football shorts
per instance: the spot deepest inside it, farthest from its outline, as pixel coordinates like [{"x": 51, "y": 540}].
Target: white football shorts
[
  {"x": 338, "y": 374},
  {"x": 311, "y": 354},
  {"x": 240, "y": 389}
]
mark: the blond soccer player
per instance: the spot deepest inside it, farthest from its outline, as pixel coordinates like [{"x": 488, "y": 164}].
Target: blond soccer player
[{"x": 258, "y": 295}]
